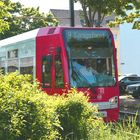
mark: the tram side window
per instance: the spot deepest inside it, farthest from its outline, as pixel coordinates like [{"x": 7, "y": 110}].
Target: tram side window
[
  {"x": 47, "y": 71},
  {"x": 12, "y": 65},
  {"x": 2, "y": 67},
  {"x": 59, "y": 76},
  {"x": 26, "y": 65}
]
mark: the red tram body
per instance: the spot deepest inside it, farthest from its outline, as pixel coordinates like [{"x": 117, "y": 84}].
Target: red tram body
[{"x": 50, "y": 55}]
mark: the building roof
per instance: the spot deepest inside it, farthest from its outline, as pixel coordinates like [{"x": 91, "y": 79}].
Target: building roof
[{"x": 63, "y": 16}]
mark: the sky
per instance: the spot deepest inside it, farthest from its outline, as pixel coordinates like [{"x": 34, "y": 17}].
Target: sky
[
  {"x": 45, "y": 5},
  {"x": 130, "y": 39},
  {"x": 130, "y": 49}
]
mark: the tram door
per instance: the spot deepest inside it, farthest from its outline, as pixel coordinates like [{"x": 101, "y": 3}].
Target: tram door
[{"x": 52, "y": 71}]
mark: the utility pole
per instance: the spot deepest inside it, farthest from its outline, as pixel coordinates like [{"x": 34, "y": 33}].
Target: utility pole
[{"x": 71, "y": 5}]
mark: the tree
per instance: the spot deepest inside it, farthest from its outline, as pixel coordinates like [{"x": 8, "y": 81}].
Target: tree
[
  {"x": 94, "y": 11},
  {"x": 25, "y": 19},
  {"x": 93, "y": 8},
  {"x": 132, "y": 17},
  {"x": 3, "y": 15}
]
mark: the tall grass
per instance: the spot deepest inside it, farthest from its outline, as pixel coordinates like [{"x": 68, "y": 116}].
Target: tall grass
[{"x": 124, "y": 130}]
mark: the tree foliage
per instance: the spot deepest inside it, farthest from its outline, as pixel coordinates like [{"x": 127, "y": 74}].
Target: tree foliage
[
  {"x": 132, "y": 17},
  {"x": 94, "y": 11},
  {"x": 3, "y": 15},
  {"x": 24, "y": 19}
]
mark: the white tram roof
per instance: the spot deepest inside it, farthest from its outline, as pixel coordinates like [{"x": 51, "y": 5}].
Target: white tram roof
[
  {"x": 21, "y": 37},
  {"x": 31, "y": 35}
]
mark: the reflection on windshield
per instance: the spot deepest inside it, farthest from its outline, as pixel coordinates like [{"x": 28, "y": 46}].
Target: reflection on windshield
[
  {"x": 91, "y": 59},
  {"x": 90, "y": 73}
]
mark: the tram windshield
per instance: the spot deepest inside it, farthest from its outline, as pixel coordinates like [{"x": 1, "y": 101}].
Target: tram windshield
[{"x": 91, "y": 57}]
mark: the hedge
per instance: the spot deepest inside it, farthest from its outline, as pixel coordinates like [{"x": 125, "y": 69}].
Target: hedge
[{"x": 27, "y": 113}]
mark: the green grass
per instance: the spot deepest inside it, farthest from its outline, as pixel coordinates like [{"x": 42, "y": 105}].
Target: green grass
[{"x": 125, "y": 130}]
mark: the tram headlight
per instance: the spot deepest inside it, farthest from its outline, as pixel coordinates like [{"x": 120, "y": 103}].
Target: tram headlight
[
  {"x": 113, "y": 99},
  {"x": 113, "y": 102}
]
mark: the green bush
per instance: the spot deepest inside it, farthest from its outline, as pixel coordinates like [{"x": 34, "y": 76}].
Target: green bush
[
  {"x": 23, "y": 110},
  {"x": 27, "y": 113},
  {"x": 77, "y": 117}
]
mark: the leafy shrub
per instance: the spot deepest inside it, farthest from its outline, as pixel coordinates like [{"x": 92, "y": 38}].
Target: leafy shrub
[
  {"x": 77, "y": 117},
  {"x": 27, "y": 113},
  {"x": 23, "y": 110}
]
